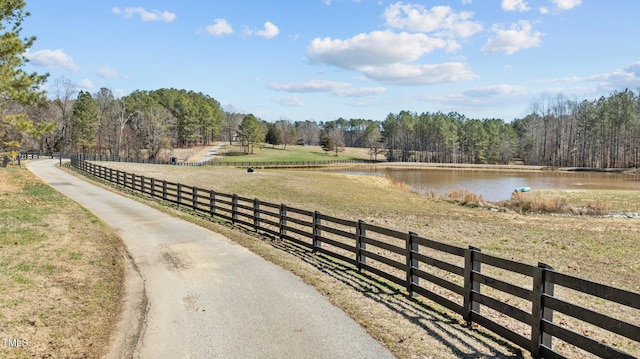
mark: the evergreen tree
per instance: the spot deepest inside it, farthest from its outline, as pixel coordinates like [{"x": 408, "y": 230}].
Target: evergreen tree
[
  {"x": 16, "y": 86},
  {"x": 273, "y": 135},
  {"x": 84, "y": 122},
  {"x": 250, "y": 132},
  {"x": 326, "y": 143}
]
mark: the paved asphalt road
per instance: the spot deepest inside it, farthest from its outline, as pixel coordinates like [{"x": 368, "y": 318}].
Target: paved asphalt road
[{"x": 208, "y": 297}]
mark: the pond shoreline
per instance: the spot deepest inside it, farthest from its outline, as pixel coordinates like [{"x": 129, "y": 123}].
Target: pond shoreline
[{"x": 488, "y": 167}]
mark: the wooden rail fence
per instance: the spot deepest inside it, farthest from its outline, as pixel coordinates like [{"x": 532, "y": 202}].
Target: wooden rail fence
[{"x": 464, "y": 280}]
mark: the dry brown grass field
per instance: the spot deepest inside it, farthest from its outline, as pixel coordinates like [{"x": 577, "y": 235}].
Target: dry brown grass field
[{"x": 601, "y": 249}]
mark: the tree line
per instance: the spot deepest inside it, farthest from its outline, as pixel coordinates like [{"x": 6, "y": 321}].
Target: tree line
[{"x": 602, "y": 133}]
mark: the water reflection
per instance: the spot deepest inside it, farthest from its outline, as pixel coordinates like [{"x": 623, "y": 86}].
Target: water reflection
[{"x": 498, "y": 185}]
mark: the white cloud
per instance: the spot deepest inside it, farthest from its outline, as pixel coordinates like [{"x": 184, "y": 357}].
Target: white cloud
[
  {"x": 85, "y": 84},
  {"x": 596, "y": 85},
  {"x": 342, "y": 89},
  {"x": 220, "y": 27},
  {"x": 543, "y": 10},
  {"x": 377, "y": 48},
  {"x": 108, "y": 73},
  {"x": 566, "y": 4},
  {"x": 493, "y": 91},
  {"x": 389, "y": 57},
  {"x": 627, "y": 78},
  {"x": 52, "y": 59},
  {"x": 270, "y": 31},
  {"x": 621, "y": 79},
  {"x": 360, "y": 92},
  {"x": 518, "y": 37},
  {"x": 441, "y": 20},
  {"x": 291, "y": 101},
  {"x": 515, "y": 5},
  {"x": 308, "y": 86},
  {"x": 412, "y": 74},
  {"x": 145, "y": 15}
]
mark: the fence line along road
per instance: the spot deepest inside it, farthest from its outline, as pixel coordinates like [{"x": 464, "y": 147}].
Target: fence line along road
[{"x": 514, "y": 300}]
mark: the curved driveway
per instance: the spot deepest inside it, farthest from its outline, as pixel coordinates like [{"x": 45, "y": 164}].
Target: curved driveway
[{"x": 209, "y": 297}]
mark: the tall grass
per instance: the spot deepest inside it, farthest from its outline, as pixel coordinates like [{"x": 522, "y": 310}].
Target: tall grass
[{"x": 524, "y": 203}]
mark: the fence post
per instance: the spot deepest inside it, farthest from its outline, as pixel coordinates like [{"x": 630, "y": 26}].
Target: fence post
[
  {"x": 256, "y": 214},
  {"x": 540, "y": 288},
  {"x": 470, "y": 265},
  {"x": 360, "y": 245},
  {"x": 179, "y": 194},
  {"x": 317, "y": 232},
  {"x": 142, "y": 189},
  {"x": 282, "y": 221},
  {"x": 153, "y": 187},
  {"x": 194, "y": 198},
  {"x": 234, "y": 208},
  {"x": 412, "y": 279},
  {"x": 164, "y": 190},
  {"x": 212, "y": 203}
]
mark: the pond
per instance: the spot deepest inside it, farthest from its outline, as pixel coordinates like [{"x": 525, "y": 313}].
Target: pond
[{"x": 499, "y": 185}]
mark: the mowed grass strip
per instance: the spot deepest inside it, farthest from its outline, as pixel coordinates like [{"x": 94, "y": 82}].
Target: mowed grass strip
[
  {"x": 292, "y": 153},
  {"x": 61, "y": 273}
]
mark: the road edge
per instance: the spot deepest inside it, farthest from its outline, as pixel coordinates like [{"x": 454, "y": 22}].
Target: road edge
[{"x": 126, "y": 334}]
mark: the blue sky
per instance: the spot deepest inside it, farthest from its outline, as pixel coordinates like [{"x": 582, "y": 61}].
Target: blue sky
[{"x": 324, "y": 59}]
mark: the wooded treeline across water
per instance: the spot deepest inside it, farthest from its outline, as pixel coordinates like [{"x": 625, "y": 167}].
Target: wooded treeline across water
[{"x": 562, "y": 132}]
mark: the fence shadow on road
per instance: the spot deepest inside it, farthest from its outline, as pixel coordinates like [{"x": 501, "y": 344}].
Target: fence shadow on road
[{"x": 435, "y": 323}]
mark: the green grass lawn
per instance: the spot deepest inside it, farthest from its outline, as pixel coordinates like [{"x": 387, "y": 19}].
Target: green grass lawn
[{"x": 268, "y": 153}]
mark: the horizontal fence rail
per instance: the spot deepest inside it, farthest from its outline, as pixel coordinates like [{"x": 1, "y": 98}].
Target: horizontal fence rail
[{"x": 463, "y": 280}]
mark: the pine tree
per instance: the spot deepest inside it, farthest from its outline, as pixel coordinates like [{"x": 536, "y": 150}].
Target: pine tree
[
  {"x": 250, "y": 132},
  {"x": 84, "y": 121},
  {"x": 16, "y": 86},
  {"x": 273, "y": 136}
]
